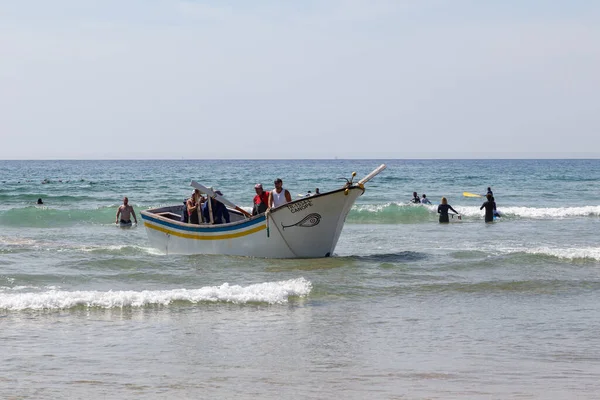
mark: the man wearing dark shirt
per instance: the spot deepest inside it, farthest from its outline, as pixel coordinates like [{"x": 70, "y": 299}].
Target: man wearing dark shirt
[
  {"x": 415, "y": 199},
  {"x": 219, "y": 211}
]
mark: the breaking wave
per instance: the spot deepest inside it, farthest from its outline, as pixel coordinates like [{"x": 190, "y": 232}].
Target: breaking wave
[
  {"x": 398, "y": 213},
  {"x": 538, "y": 213},
  {"x": 267, "y": 292},
  {"x": 384, "y": 213},
  {"x": 572, "y": 254}
]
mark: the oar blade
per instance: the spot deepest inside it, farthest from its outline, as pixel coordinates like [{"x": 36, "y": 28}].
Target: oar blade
[{"x": 372, "y": 174}]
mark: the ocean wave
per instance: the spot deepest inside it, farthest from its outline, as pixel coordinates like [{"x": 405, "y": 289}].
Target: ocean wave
[
  {"x": 31, "y": 197},
  {"x": 116, "y": 249},
  {"x": 63, "y": 247},
  {"x": 400, "y": 257},
  {"x": 391, "y": 213},
  {"x": 537, "y": 213},
  {"x": 398, "y": 213},
  {"x": 382, "y": 213},
  {"x": 562, "y": 253},
  {"x": 572, "y": 254},
  {"x": 531, "y": 287},
  {"x": 47, "y": 217},
  {"x": 267, "y": 292}
]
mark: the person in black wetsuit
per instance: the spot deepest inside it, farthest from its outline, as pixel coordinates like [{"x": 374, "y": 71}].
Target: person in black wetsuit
[
  {"x": 490, "y": 207},
  {"x": 415, "y": 199},
  {"x": 443, "y": 211},
  {"x": 489, "y": 191}
]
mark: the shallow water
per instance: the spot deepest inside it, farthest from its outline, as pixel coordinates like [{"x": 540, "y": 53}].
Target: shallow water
[{"x": 406, "y": 308}]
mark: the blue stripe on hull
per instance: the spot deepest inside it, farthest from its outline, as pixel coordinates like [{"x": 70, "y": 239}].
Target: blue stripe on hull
[{"x": 212, "y": 229}]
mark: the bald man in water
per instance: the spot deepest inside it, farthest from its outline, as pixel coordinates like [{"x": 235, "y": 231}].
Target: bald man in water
[{"x": 124, "y": 211}]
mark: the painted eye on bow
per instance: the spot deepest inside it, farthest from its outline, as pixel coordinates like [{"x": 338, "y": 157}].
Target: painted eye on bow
[
  {"x": 310, "y": 220},
  {"x": 307, "y": 222}
]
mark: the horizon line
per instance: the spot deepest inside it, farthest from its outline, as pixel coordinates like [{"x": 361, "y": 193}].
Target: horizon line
[{"x": 305, "y": 159}]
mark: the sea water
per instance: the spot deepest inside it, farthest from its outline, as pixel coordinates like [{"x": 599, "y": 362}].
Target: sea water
[{"x": 406, "y": 307}]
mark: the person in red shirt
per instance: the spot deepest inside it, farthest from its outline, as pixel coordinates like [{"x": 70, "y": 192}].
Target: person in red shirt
[{"x": 261, "y": 200}]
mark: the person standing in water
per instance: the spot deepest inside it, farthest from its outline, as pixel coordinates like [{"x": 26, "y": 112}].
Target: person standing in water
[
  {"x": 424, "y": 199},
  {"x": 415, "y": 199},
  {"x": 443, "y": 211},
  {"x": 490, "y": 208},
  {"x": 489, "y": 191},
  {"x": 125, "y": 212}
]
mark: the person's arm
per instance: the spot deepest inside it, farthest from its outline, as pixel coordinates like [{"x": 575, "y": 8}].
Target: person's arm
[
  {"x": 439, "y": 209},
  {"x": 483, "y": 205},
  {"x": 270, "y": 204},
  {"x": 118, "y": 213},
  {"x": 288, "y": 196},
  {"x": 133, "y": 213},
  {"x": 455, "y": 212}
]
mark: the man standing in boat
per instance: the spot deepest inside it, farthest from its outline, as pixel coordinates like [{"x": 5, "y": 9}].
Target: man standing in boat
[
  {"x": 192, "y": 205},
  {"x": 219, "y": 211},
  {"x": 261, "y": 200},
  {"x": 125, "y": 211},
  {"x": 279, "y": 196}
]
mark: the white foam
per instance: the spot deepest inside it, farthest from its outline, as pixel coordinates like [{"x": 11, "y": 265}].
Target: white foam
[
  {"x": 15, "y": 241},
  {"x": 565, "y": 253},
  {"x": 267, "y": 292},
  {"x": 17, "y": 288},
  {"x": 536, "y": 213},
  {"x": 375, "y": 207},
  {"x": 474, "y": 211},
  {"x": 587, "y": 253},
  {"x": 148, "y": 250}
]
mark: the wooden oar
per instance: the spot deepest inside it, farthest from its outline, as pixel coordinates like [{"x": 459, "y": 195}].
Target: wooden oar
[
  {"x": 467, "y": 194},
  {"x": 372, "y": 174},
  {"x": 218, "y": 197}
]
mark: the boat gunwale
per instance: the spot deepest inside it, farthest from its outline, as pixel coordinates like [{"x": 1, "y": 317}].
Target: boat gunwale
[{"x": 241, "y": 224}]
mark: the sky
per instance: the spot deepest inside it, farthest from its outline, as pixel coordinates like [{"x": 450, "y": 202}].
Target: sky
[{"x": 238, "y": 79}]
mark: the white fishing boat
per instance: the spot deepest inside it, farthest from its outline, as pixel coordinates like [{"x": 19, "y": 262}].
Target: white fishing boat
[{"x": 305, "y": 228}]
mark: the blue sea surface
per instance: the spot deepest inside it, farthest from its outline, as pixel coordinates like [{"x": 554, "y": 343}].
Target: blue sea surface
[{"x": 406, "y": 307}]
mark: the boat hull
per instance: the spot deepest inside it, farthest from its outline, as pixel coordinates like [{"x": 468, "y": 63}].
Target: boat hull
[{"x": 305, "y": 228}]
